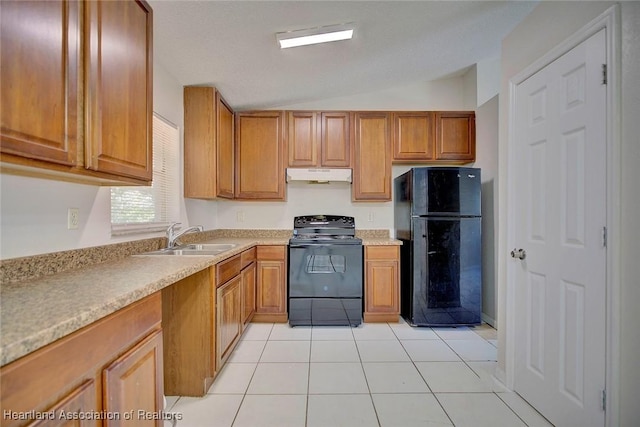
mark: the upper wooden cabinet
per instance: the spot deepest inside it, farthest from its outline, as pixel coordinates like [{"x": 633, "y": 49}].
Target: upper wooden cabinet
[
  {"x": 434, "y": 137},
  {"x": 335, "y": 147},
  {"x": 260, "y": 148},
  {"x": 319, "y": 139},
  {"x": 119, "y": 87},
  {"x": 413, "y": 134},
  {"x": 372, "y": 157},
  {"x": 456, "y": 136},
  {"x": 208, "y": 144},
  {"x": 303, "y": 135},
  {"x": 97, "y": 133},
  {"x": 40, "y": 79}
]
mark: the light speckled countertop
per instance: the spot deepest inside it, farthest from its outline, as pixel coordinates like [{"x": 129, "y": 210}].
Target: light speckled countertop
[{"x": 35, "y": 312}]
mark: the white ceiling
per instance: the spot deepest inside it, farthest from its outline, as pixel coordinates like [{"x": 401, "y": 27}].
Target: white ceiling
[{"x": 232, "y": 45}]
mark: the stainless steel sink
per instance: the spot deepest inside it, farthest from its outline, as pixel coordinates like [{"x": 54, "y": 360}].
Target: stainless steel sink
[{"x": 204, "y": 249}]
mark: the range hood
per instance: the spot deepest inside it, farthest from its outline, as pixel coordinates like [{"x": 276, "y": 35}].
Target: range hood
[{"x": 318, "y": 175}]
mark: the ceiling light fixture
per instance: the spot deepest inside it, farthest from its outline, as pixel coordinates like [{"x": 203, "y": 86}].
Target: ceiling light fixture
[{"x": 330, "y": 33}]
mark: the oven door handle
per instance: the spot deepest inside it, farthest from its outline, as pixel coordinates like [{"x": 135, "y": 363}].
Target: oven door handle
[{"x": 315, "y": 245}]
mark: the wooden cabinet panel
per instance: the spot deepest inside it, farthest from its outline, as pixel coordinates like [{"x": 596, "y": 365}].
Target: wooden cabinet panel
[
  {"x": 271, "y": 286},
  {"x": 81, "y": 400},
  {"x": 189, "y": 324},
  {"x": 260, "y": 147},
  {"x": 413, "y": 136},
  {"x": 382, "y": 284},
  {"x": 319, "y": 139},
  {"x": 227, "y": 269},
  {"x": 199, "y": 142},
  {"x": 372, "y": 157},
  {"x": 225, "y": 170},
  {"x": 303, "y": 138},
  {"x": 133, "y": 382},
  {"x": 229, "y": 318},
  {"x": 208, "y": 144},
  {"x": 456, "y": 136},
  {"x": 247, "y": 257},
  {"x": 119, "y": 87},
  {"x": 248, "y": 292},
  {"x": 271, "y": 292},
  {"x": 39, "y": 79},
  {"x": 335, "y": 150}
]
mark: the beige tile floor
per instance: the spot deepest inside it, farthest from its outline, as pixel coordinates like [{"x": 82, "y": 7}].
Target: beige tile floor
[{"x": 387, "y": 375}]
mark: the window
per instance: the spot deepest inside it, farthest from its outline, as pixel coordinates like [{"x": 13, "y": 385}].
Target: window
[{"x": 149, "y": 209}]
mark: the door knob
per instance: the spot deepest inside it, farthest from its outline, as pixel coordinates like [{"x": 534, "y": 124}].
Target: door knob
[{"x": 518, "y": 253}]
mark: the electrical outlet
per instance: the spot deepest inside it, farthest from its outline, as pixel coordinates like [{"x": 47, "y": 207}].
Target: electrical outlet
[
  {"x": 240, "y": 216},
  {"x": 371, "y": 216},
  {"x": 73, "y": 218}
]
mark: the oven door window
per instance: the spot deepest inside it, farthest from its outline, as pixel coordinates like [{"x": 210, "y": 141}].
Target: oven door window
[{"x": 325, "y": 264}]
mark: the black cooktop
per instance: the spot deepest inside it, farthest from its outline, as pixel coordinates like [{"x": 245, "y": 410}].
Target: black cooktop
[{"x": 336, "y": 229}]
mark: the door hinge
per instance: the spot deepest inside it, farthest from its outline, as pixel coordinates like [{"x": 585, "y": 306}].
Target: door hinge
[
  {"x": 604, "y": 237},
  {"x": 604, "y": 74},
  {"x": 604, "y": 400}
]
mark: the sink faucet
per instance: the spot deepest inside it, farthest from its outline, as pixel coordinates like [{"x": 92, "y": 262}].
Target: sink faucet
[{"x": 173, "y": 236}]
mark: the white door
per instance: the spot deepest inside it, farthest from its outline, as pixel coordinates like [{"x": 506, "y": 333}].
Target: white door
[{"x": 559, "y": 212}]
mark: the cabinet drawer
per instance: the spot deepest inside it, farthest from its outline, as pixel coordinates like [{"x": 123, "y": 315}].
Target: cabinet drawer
[
  {"x": 227, "y": 269},
  {"x": 381, "y": 252},
  {"x": 248, "y": 257},
  {"x": 271, "y": 252}
]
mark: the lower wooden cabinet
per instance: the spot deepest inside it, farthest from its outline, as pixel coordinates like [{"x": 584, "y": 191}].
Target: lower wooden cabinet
[
  {"x": 132, "y": 384},
  {"x": 382, "y": 283},
  {"x": 248, "y": 293},
  {"x": 114, "y": 364},
  {"x": 80, "y": 400},
  {"x": 229, "y": 318},
  {"x": 271, "y": 294}
]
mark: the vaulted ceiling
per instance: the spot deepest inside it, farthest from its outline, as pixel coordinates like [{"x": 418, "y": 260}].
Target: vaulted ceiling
[{"x": 232, "y": 45}]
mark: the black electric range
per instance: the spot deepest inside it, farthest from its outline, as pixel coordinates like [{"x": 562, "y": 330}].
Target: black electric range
[{"x": 325, "y": 272}]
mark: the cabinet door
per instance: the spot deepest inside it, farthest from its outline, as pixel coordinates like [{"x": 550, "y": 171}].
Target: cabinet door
[
  {"x": 199, "y": 142},
  {"x": 248, "y": 292},
  {"x": 335, "y": 148},
  {"x": 39, "y": 79},
  {"x": 119, "y": 87},
  {"x": 82, "y": 400},
  {"x": 413, "y": 136},
  {"x": 382, "y": 284},
  {"x": 271, "y": 291},
  {"x": 271, "y": 286},
  {"x": 229, "y": 318},
  {"x": 456, "y": 136},
  {"x": 224, "y": 141},
  {"x": 372, "y": 149},
  {"x": 133, "y": 382},
  {"x": 303, "y": 138},
  {"x": 259, "y": 156}
]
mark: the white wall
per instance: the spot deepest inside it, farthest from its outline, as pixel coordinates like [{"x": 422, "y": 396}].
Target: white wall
[
  {"x": 487, "y": 160},
  {"x": 34, "y": 211},
  {"x": 548, "y": 25},
  {"x": 488, "y": 72}
]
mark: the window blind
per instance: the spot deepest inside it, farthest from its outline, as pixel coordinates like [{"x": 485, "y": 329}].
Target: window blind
[{"x": 148, "y": 209}]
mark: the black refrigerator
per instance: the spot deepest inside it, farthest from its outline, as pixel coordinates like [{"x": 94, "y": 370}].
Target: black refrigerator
[{"x": 438, "y": 219}]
